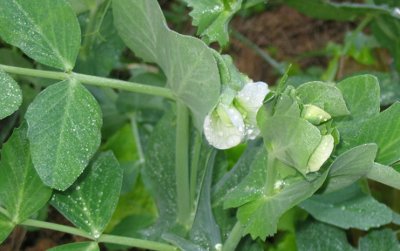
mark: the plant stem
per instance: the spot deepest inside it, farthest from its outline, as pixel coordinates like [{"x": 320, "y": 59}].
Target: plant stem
[
  {"x": 105, "y": 238},
  {"x": 135, "y": 131},
  {"x": 56, "y": 227},
  {"x": 182, "y": 163},
  {"x": 234, "y": 238},
  {"x": 263, "y": 54},
  {"x": 195, "y": 165},
  {"x": 271, "y": 174},
  {"x": 132, "y": 242},
  {"x": 92, "y": 80}
]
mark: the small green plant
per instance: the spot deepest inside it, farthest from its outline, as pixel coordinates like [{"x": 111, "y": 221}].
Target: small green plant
[{"x": 189, "y": 153}]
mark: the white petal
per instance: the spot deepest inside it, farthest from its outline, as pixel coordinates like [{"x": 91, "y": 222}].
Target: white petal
[
  {"x": 251, "y": 98},
  {"x": 224, "y": 129},
  {"x": 321, "y": 154}
]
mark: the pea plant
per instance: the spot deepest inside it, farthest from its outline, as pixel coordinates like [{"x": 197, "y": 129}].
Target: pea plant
[{"x": 187, "y": 152}]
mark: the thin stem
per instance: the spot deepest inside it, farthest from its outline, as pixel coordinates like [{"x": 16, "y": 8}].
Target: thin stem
[
  {"x": 132, "y": 242},
  {"x": 56, "y": 227},
  {"x": 105, "y": 238},
  {"x": 263, "y": 54},
  {"x": 234, "y": 238},
  {"x": 92, "y": 80},
  {"x": 182, "y": 164},
  {"x": 271, "y": 174},
  {"x": 194, "y": 166}
]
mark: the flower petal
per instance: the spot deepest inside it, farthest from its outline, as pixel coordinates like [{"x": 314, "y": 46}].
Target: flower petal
[{"x": 224, "y": 127}]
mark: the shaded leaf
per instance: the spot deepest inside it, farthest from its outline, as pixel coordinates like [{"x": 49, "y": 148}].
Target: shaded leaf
[
  {"x": 351, "y": 166},
  {"x": 91, "y": 201},
  {"x": 348, "y": 208},
  {"x": 384, "y": 130},
  {"x": 324, "y": 95},
  {"x": 384, "y": 174},
  {"x": 22, "y": 192},
  {"x": 192, "y": 73},
  {"x": 64, "y": 132},
  {"x": 318, "y": 236},
  {"x": 46, "y": 30},
  {"x": 212, "y": 18},
  {"x": 384, "y": 239},
  {"x": 6, "y": 227},
  {"x": 10, "y": 95}
]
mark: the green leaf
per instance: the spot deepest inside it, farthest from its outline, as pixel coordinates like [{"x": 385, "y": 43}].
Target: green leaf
[
  {"x": 6, "y": 227},
  {"x": 351, "y": 166},
  {"x": 159, "y": 173},
  {"x": 80, "y": 246},
  {"x": 384, "y": 174},
  {"x": 293, "y": 143},
  {"x": 101, "y": 46},
  {"x": 361, "y": 94},
  {"x": 255, "y": 202},
  {"x": 386, "y": 30},
  {"x": 91, "y": 201},
  {"x": 385, "y": 239},
  {"x": 192, "y": 72},
  {"x": 384, "y": 131},
  {"x": 46, "y": 30},
  {"x": 64, "y": 132},
  {"x": 10, "y": 95},
  {"x": 22, "y": 192},
  {"x": 212, "y": 18},
  {"x": 317, "y": 236},
  {"x": 324, "y": 9},
  {"x": 324, "y": 95},
  {"x": 348, "y": 208}
]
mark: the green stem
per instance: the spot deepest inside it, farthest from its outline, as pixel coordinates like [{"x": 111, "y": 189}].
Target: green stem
[
  {"x": 234, "y": 238},
  {"x": 56, "y": 227},
  {"x": 271, "y": 175},
  {"x": 92, "y": 80},
  {"x": 262, "y": 53},
  {"x": 194, "y": 166},
  {"x": 105, "y": 238},
  {"x": 182, "y": 164},
  {"x": 136, "y": 134},
  {"x": 132, "y": 242}
]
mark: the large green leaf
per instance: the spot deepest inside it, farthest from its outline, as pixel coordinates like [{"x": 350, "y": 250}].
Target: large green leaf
[
  {"x": 326, "y": 96},
  {"x": 46, "y": 30},
  {"x": 64, "y": 132},
  {"x": 81, "y": 246},
  {"x": 317, "y": 236},
  {"x": 256, "y": 201},
  {"x": 292, "y": 143},
  {"x": 385, "y": 174},
  {"x": 10, "y": 95},
  {"x": 384, "y": 130},
  {"x": 187, "y": 62},
  {"x": 6, "y": 226},
  {"x": 22, "y": 192},
  {"x": 361, "y": 94},
  {"x": 351, "y": 166},
  {"x": 384, "y": 239},
  {"x": 348, "y": 208},
  {"x": 91, "y": 201},
  {"x": 212, "y": 18}
]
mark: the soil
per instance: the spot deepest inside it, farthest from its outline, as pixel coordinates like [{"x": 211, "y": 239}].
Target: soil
[{"x": 282, "y": 31}]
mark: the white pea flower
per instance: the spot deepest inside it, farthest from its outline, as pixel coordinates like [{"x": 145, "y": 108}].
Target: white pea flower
[{"x": 228, "y": 125}]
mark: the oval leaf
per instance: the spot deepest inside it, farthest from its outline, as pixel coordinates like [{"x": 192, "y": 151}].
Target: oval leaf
[
  {"x": 10, "y": 95},
  {"x": 64, "y": 131},
  {"x": 22, "y": 192},
  {"x": 91, "y": 201},
  {"x": 46, "y": 30},
  {"x": 187, "y": 62}
]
